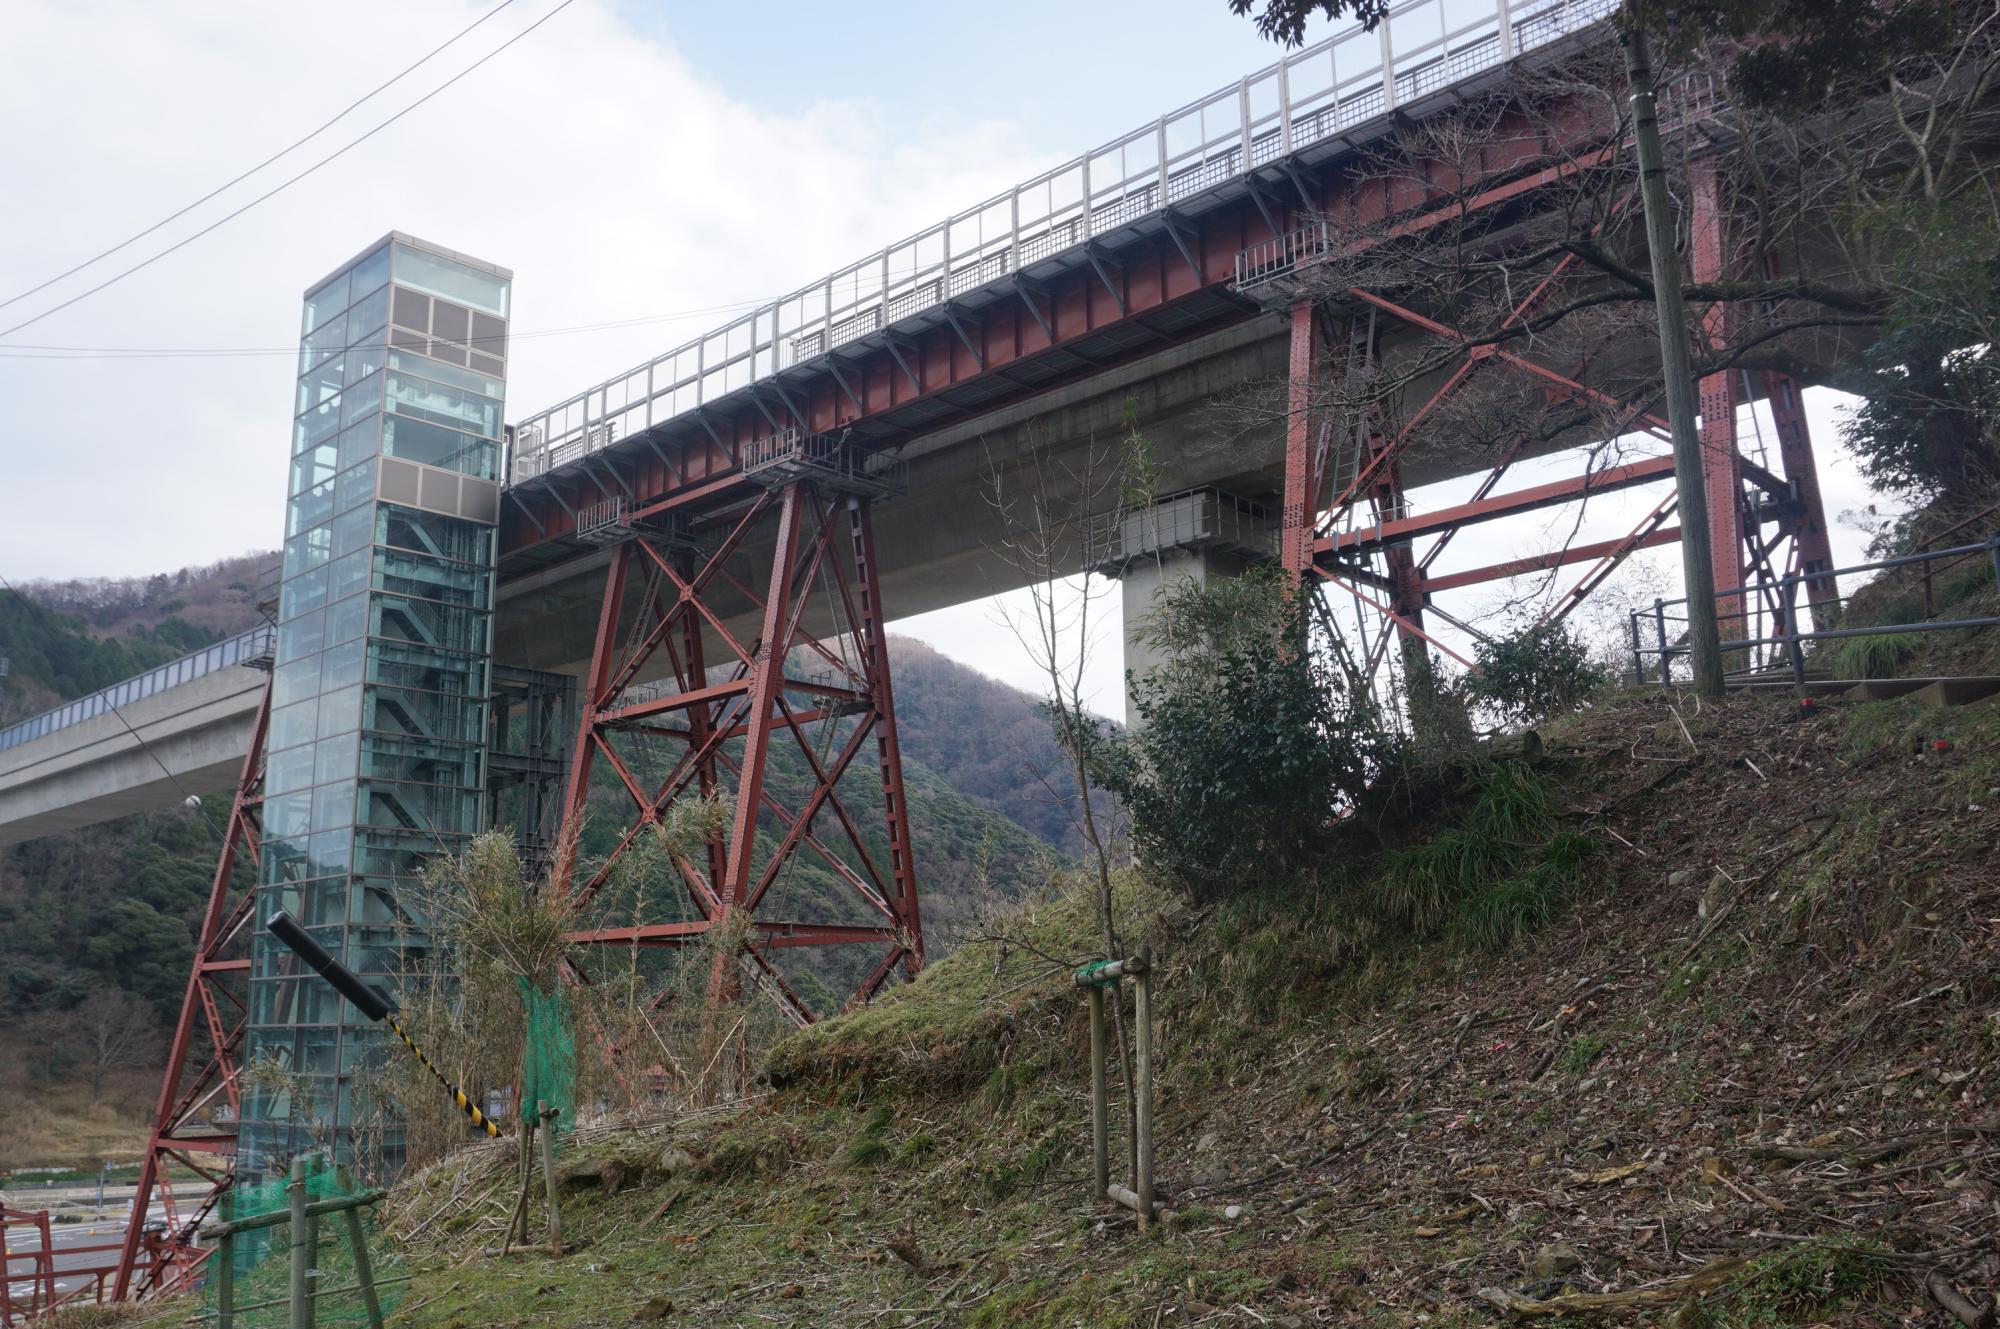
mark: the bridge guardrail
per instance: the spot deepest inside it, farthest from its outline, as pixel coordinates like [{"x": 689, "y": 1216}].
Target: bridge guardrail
[
  {"x": 245, "y": 648},
  {"x": 1324, "y": 90}
]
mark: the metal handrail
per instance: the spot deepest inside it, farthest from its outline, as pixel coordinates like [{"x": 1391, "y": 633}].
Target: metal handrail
[
  {"x": 1788, "y": 634},
  {"x": 240, "y": 649},
  {"x": 1983, "y": 514},
  {"x": 1191, "y": 519},
  {"x": 1325, "y": 90}
]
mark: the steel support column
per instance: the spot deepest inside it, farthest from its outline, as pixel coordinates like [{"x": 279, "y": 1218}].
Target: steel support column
[
  {"x": 1301, "y": 485},
  {"x": 767, "y": 674},
  {"x": 874, "y": 644},
  {"x": 1405, "y": 577},
  {"x": 1721, "y": 460},
  {"x": 201, "y": 1072},
  {"x": 1806, "y": 523}
]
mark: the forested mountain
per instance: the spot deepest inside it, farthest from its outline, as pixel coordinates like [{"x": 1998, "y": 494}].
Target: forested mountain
[
  {"x": 118, "y": 903},
  {"x": 63, "y": 639},
  {"x": 991, "y": 742}
]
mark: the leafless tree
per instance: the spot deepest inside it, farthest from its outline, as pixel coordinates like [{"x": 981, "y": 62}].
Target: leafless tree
[
  {"x": 110, "y": 1029},
  {"x": 1046, "y": 509}
]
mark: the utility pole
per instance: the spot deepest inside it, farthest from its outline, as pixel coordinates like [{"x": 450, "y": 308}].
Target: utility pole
[{"x": 1697, "y": 567}]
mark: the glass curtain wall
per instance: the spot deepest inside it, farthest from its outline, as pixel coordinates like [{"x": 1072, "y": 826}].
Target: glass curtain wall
[{"x": 375, "y": 758}]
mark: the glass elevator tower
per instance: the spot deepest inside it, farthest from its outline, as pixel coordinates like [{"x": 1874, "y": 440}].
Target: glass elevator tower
[{"x": 375, "y": 759}]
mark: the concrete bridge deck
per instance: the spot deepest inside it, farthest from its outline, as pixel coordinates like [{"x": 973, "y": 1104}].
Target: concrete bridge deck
[{"x": 122, "y": 750}]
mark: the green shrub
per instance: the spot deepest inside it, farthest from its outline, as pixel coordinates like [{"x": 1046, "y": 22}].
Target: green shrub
[
  {"x": 1799, "y": 1284},
  {"x": 1868, "y": 657},
  {"x": 1246, "y": 746},
  {"x": 1535, "y": 672}
]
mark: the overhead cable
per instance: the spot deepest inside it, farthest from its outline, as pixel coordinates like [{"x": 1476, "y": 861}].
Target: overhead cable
[
  {"x": 289, "y": 182},
  {"x": 282, "y": 152}
]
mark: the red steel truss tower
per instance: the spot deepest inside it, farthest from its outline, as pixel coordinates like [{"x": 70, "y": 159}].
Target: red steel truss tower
[
  {"x": 1344, "y": 519},
  {"x": 721, "y": 699},
  {"x": 200, "y": 1096}
]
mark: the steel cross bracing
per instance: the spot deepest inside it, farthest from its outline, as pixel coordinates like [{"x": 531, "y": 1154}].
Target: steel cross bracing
[
  {"x": 1122, "y": 253},
  {"x": 719, "y": 721},
  {"x": 200, "y": 1094},
  {"x": 1324, "y": 530}
]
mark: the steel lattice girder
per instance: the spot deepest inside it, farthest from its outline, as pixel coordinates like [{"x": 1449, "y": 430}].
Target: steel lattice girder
[
  {"x": 824, "y": 545},
  {"x": 1305, "y": 523},
  {"x": 215, "y": 1010}
]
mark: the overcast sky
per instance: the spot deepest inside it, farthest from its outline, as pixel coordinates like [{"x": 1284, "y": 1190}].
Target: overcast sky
[{"x": 629, "y": 161}]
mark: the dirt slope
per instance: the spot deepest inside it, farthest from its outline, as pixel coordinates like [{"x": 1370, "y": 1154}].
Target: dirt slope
[{"x": 1747, "y": 1078}]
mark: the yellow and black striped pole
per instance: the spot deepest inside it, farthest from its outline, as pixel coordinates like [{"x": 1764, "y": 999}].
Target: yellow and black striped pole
[{"x": 370, "y": 1003}]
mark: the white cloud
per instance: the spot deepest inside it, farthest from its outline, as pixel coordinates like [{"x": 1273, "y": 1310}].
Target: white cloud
[{"x": 594, "y": 161}]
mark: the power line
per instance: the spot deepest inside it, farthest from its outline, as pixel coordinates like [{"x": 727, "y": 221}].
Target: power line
[
  {"x": 281, "y": 187},
  {"x": 230, "y": 184},
  {"x": 34, "y": 351}
]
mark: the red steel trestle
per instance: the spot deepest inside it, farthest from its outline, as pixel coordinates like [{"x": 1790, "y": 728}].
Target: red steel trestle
[
  {"x": 200, "y": 1098},
  {"x": 1319, "y": 532},
  {"x": 720, "y": 729}
]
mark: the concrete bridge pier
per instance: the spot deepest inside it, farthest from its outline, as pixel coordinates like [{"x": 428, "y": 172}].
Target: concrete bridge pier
[{"x": 1198, "y": 535}]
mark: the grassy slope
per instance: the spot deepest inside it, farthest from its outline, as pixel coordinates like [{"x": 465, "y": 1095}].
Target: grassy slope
[
  {"x": 1400, "y": 1132},
  {"x": 1959, "y": 590}
]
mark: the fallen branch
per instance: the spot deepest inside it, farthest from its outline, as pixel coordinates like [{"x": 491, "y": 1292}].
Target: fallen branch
[
  {"x": 1710, "y": 1275},
  {"x": 1559, "y": 1029},
  {"x": 1949, "y": 1299},
  {"x": 1880, "y": 1149}
]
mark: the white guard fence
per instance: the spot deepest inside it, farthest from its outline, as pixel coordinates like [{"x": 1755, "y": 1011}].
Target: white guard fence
[{"x": 1336, "y": 85}]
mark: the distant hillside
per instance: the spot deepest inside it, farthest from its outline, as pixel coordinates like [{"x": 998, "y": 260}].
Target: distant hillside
[
  {"x": 64, "y": 639},
  {"x": 216, "y": 599},
  {"x": 990, "y": 741},
  {"x": 118, "y": 904}
]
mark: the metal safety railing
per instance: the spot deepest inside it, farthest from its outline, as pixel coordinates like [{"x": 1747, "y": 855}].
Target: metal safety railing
[
  {"x": 828, "y": 458},
  {"x": 247, "y": 648},
  {"x": 1194, "y": 519},
  {"x": 1770, "y": 634},
  {"x": 1330, "y": 88},
  {"x": 1931, "y": 570}
]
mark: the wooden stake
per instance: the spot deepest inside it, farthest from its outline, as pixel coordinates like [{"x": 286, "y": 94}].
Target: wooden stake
[{"x": 547, "y": 1115}]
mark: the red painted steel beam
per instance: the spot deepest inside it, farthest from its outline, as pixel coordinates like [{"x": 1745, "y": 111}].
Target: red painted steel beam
[
  {"x": 871, "y": 622},
  {"x": 1814, "y": 547},
  {"x": 1635, "y": 539},
  {"x": 1151, "y": 274},
  {"x": 1488, "y": 509},
  {"x": 1721, "y": 462},
  {"x": 767, "y": 933},
  {"x": 678, "y": 702},
  {"x": 1556, "y": 558},
  {"x": 1402, "y": 621},
  {"x": 1301, "y": 485}
]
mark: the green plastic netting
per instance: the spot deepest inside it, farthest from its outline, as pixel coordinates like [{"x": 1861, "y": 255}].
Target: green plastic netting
[
  {"x": 548, "y": 1054},
  {"x": 261, "y": 1259}
]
